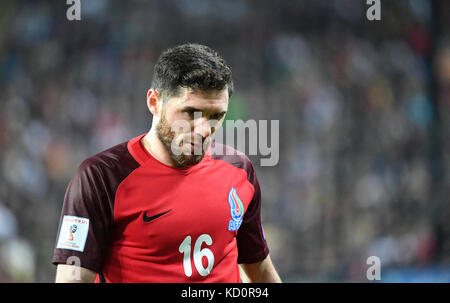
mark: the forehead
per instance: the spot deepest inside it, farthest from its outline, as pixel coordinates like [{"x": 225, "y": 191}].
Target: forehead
[{"x": 210, "y": 100}]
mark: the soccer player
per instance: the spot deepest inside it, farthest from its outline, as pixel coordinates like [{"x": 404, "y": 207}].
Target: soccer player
[{"x": 168, "y": 205}]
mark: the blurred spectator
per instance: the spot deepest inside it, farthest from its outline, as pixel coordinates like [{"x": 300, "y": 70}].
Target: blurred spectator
[
  {"x": 18, "y": 260},
  {"x": 8, "y": 224}
]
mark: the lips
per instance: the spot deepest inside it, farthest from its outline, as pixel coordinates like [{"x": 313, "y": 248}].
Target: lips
[
  {"x": 194, "y": 143},
  {"x": 197, "y": 144}
]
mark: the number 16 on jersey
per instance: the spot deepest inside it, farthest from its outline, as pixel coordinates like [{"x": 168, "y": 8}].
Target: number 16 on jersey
[{"x": 198, "y": 254}]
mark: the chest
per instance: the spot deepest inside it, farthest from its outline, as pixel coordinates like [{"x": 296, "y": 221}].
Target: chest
[{"x": 164, "y": 208}]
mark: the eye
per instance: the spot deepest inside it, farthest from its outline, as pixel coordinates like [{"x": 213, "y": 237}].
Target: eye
[
  {"x": 190, "y": 112},
  {"x": 217, "y": 116}
]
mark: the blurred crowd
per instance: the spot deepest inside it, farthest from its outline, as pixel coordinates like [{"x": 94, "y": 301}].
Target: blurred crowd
[{"x": 364, "y": 111}]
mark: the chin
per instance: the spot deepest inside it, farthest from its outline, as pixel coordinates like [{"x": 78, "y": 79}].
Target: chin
[{"x": 184, "y": 161}]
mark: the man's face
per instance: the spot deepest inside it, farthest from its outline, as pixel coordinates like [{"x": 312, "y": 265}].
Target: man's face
[{"x": 188, "y": 122}]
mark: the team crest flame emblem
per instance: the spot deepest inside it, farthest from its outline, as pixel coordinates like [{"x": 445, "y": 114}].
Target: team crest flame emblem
[{"x": 237, "y": 210}]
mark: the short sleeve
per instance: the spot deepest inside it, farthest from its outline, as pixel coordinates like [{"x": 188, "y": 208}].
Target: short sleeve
[
  {"x": 86, "y": 220},
  {"x": 251, "y": 242}
]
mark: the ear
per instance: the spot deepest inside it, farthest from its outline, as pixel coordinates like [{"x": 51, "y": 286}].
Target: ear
[{"x": 154, "y": 102}]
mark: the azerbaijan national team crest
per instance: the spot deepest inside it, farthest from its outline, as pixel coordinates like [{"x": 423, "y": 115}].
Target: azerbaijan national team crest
[{"x": 237, "y": 210}]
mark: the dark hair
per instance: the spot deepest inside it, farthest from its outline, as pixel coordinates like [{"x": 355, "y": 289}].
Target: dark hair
[{"x": 192, "y": 66}]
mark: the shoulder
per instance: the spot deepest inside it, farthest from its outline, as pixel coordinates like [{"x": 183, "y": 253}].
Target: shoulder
[
  {"x": 232, "y": 156},
  {"x": 113, "y": 159}
]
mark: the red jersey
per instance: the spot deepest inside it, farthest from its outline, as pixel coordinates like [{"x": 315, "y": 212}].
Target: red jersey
[{"x": 131, "y": 218}]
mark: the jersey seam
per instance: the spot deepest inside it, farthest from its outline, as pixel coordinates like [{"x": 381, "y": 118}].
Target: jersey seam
[
  {"x": 245, "y": 175},
  {"x": 116, "y": 201}
]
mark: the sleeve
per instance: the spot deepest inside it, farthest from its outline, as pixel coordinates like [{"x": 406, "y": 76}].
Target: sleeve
[
  {"x": 86, "y": 220},
  {"x": 251, "y": 241}
]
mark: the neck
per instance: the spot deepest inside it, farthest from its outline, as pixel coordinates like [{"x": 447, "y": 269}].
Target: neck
[{"x": 156, "y": 148}]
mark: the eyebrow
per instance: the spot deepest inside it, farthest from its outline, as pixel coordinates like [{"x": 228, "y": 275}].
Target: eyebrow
[
  {"x": 188, "y": 108},
  {"x": 191, "y": 108}
]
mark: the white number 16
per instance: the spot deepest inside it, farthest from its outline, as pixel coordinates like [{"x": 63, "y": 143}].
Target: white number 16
[{"x": 185, "y": 248}]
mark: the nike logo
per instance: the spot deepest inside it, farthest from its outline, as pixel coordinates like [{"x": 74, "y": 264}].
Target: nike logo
[{"x": 148, "y": 219}]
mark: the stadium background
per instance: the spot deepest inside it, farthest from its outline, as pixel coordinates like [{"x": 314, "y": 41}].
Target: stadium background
[{"x": 363, "y": 106}]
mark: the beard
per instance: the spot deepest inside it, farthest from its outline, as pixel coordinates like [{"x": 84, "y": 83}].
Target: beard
[{"x": 167, "y": 137}]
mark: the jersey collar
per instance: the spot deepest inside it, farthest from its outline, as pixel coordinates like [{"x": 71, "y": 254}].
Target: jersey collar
[{"x": 142, "y": 155}]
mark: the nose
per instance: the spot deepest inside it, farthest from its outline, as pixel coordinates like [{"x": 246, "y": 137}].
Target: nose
[{"x": 204, "y": 128}]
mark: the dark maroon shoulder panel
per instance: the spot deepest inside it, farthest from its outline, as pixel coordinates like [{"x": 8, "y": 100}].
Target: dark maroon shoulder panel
[
  {"x": 91, "y": 194},
  {"x": 251, "y": 242}
]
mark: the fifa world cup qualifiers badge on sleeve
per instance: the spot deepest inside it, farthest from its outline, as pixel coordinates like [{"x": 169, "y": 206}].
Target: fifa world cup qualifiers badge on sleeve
[{"x": 73, "y": 233}]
